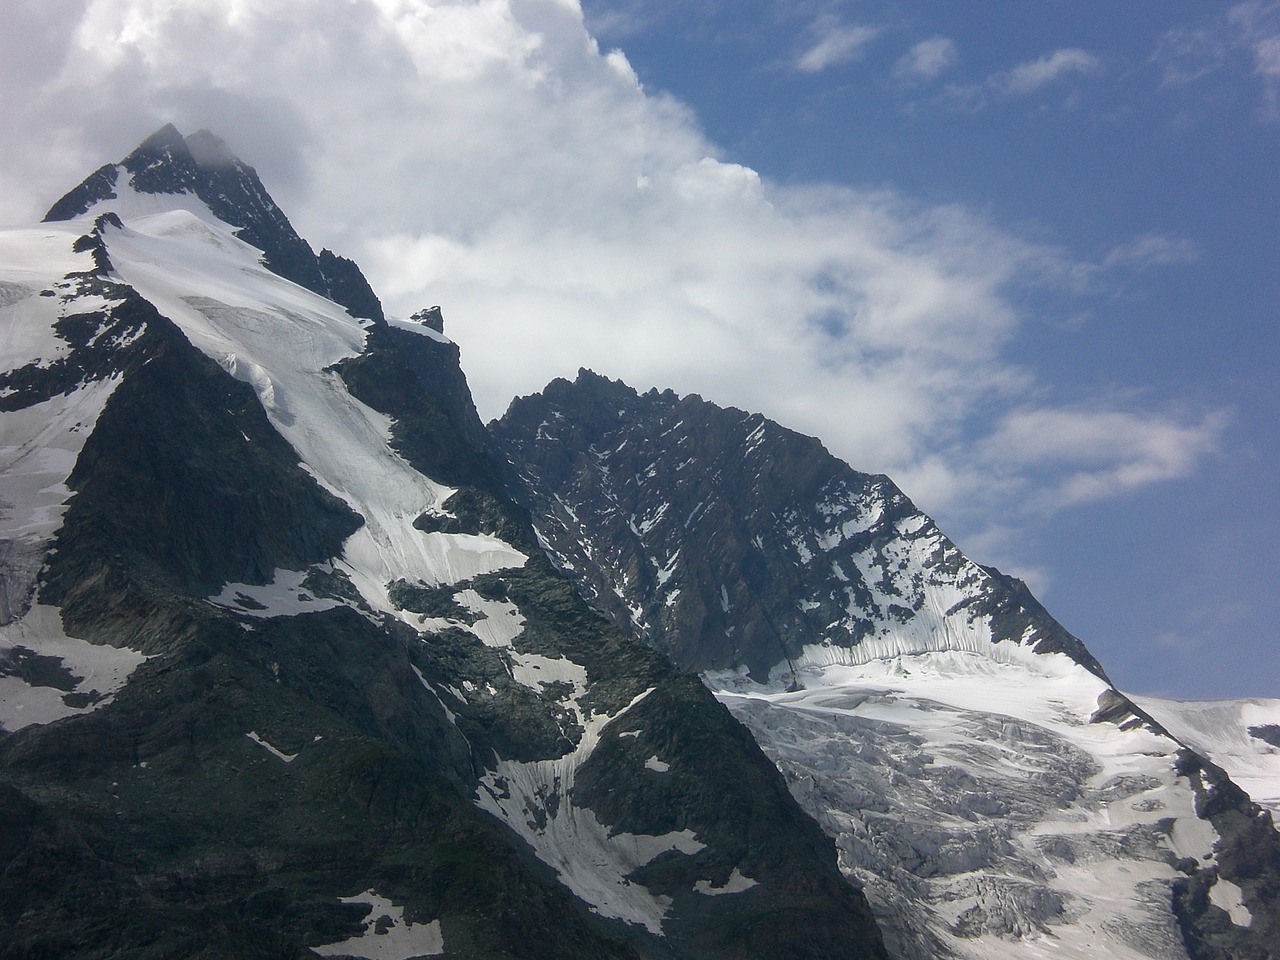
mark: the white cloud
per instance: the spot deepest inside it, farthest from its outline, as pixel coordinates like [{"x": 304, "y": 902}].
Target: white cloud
[
  {"x": 1098, "y": 454},
  {"x": 835, "y": 44},
  {"x": 1029, "y": 77},
  {"x": 927, "y": 59},
  {"x": 486, "y": 155},
  {"x": 1187, "y": 55},
  {"x": 1024, "y": 79}
]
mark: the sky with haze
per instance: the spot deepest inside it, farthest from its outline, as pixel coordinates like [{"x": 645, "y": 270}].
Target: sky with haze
[{"x": 1022, "y": 257}]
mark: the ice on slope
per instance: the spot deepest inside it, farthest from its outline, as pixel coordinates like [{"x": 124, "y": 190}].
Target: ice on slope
[
  {"x": 129, "y": 204},
  {"x": 282, "y": 340},
  {"x": 32, "y": 261},
  {"x": 979, "y": 781},
  {"x": 1219, "y": 730},
  {"x": 39, "y": 446}
]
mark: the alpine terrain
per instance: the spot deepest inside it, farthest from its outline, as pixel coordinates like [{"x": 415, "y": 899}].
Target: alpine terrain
[
  {"x": 285, "y": 671},
  {"x": 985, "y": 783}
]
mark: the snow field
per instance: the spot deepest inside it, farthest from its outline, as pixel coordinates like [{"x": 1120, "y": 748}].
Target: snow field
[{"x": 1219, "y": 729}]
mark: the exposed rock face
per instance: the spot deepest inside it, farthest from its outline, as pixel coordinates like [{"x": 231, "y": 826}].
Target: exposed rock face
[
  {"x": 728, "y": 541},
  {"x": 294, "y": 677}
]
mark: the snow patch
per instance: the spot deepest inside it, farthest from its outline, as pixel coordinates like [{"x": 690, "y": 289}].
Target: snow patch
[
  {"x": 1226, "y": 896},
  {"x": 737, "y": 883},
  {"x": 536, "y": 801},
  {"x": 500, "y": 620},
  {"x": 390, "y": 939},
  {"x": 286, "y": 757},
  {"x": 284, "y": 596},
  {"x": 100, "y": 670},
  {"x": 419, "y": 328}
]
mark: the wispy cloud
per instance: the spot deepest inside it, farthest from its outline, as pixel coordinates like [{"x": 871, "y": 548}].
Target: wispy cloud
[
  {"x": 1151, "y": 250},
  {"x": 834, "y": 43},
  {"x": 926, "y": 60},
  {"x": 1027, "y": 78},
  {"x": 1247, "y": 38},
  {"x": 1259, "y": 25},
  {"x": 1097, "y": 454},
  {"x": 1187, "y": 55}
]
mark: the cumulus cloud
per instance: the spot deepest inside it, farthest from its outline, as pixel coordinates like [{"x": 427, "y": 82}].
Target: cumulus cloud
[
  {"x": 834, "y": 43},
  {"x": 926, "y": 60},
  {"x": 488, "y": 156}
]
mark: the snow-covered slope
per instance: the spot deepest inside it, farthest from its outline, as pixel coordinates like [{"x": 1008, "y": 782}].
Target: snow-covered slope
[
  {"x": 277, "y": 649},
  {"x": 1241, "y": 736}
]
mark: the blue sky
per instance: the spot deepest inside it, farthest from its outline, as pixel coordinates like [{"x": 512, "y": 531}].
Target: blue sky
[{"x": 1020, "y": 256}]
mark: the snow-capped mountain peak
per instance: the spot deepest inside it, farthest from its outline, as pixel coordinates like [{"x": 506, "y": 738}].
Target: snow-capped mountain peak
[
  {"x": 987, "y": 785},
  {"x": 279, "y": 653}
]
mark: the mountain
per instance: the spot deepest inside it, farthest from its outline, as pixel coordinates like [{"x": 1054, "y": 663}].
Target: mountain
[
  {"x": 992, "y": 791},
  {"x": 284, "y": 671}
]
